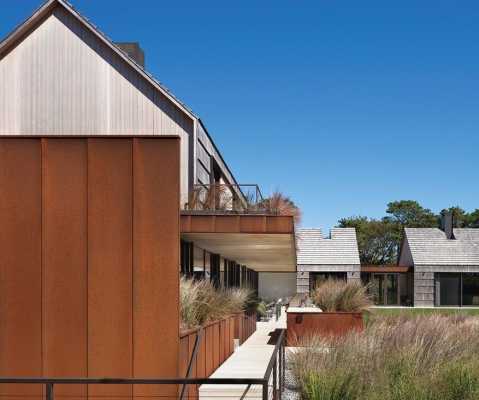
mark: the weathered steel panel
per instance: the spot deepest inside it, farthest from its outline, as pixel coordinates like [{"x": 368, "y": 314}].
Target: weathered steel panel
[
  {"x": 20, "y": 262},
  {"x": 110, "y": 208},
  {"x": 65, "y": 261},
  {"x": 156, "y": 241}
]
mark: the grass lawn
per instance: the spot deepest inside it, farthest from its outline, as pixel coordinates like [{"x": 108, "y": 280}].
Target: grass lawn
[{"x": 413, "y": 312}]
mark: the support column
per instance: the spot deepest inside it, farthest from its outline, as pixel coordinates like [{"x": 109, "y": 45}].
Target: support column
[
  {"x": 302, "y": 282},
  {"x": 354, "y": 276},
  {"x": 423, "y": 288}
]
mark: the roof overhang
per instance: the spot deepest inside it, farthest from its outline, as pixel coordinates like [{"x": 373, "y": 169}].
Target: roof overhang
[{"x": 265, "y": 243}]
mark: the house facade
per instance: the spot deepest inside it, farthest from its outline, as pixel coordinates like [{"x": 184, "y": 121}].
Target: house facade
[
  {"x": 321, "y": 258},
  {"x": 445, "y": 264},
  {"x": 111, "y": 187}
]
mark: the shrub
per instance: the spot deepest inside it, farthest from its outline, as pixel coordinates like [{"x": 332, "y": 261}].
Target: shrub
[
  {"x": 423, "y": 358},
  {"x": 338, "y": 295},
  {"x": 201, "y": 302},
  {"x": 338, "y": 384},
  {"x": 280, "y": 204}
]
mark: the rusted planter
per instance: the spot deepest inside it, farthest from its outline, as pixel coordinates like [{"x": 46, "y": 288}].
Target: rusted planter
[{"x": 305, "y": 322}]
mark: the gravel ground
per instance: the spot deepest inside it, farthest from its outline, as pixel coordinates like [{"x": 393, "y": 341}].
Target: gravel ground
[{"x": 290, "y": 390}]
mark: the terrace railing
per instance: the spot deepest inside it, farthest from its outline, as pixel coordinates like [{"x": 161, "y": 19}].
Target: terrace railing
[
  {"x": 271, "y": 384},
  {"x": 218, "y": 197}
]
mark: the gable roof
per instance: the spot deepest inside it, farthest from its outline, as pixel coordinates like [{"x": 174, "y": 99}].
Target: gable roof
[
  {"x": 21, "y": 31},
  {"x": 314, "y": 249},
  {"x": 429, "y": 246}
]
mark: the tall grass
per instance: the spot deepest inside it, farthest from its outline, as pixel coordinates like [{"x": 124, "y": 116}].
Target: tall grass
[
  {"x": 428, "y": 357},
  {"x": 339, "y": 295},
  {"x": 201, "y": 302}
]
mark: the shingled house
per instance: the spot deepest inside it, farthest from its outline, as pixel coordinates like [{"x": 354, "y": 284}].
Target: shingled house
[
  {"x": 320, "y": 258},
  {"x": 445, "y": 263}
]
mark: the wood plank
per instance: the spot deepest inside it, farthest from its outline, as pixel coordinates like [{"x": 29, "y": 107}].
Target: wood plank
[{"x": 20, "y": 262}]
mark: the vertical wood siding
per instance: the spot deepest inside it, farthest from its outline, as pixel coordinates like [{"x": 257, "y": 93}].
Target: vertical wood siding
[
  {"x": 103, "y": 299},
  {"x": 62, "y": 80}
]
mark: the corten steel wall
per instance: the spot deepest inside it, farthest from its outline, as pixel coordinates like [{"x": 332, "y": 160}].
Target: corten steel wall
[
  {"x": 89, "y": 255},
  {"x": 216, "y": 345}
]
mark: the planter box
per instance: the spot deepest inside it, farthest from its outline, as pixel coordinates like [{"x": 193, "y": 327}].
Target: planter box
[{"x": 305, "y": 322}]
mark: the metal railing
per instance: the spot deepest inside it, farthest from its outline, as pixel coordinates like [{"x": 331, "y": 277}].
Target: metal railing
[
  {"x": 272, "y": 383},
  {"x": 218, "y": 197}
]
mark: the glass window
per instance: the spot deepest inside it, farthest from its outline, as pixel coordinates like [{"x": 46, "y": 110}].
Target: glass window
[
  {"x": 470, "y": 289},
  {"x": 198, "y": 261},
  {"x": 392, "y": 292},
  {"x": 449, "y": 288},
  {"x": 207, "y": 265}
]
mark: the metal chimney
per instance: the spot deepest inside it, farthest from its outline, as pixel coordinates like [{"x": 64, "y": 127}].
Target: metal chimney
[
  {"x": 447, "y": 224},
  {"x": 134, "y": 51}
]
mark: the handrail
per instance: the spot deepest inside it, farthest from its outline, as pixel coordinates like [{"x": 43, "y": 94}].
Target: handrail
[
  {"x": 272, "y": 360},
  {"x": 278, "y": 356},
  {"x": 133, "y": 381}
]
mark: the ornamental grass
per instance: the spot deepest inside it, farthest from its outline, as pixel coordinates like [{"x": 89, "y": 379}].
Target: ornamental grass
[{"x": 422, "y": 358}]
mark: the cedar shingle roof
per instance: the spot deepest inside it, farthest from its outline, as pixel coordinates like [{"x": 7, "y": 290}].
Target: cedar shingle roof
[
  {"x": 314, "y": 249},
  {"x": 429, "y": 246}
]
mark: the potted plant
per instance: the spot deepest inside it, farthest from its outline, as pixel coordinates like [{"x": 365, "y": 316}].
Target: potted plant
[{"x": 338, "y": 308}]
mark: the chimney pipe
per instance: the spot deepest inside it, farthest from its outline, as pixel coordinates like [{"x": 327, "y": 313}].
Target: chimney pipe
[
  {"x": 447, "y": 224},
  {"x": 134, "y": 51}
]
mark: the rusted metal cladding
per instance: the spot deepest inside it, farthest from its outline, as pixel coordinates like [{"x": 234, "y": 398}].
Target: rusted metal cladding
[
  {"x": 20, "y": 262},
  {"x": 64, "y": 225},
  {"x": 156, "y": 260},
  {"x": 89, "y": 255},
  {"x": 303, "y": 325},
  {"x": 110, "y": 227}
]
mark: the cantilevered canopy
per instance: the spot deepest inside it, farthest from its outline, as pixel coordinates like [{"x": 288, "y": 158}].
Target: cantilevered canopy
[{"x": 261, "y": 242}]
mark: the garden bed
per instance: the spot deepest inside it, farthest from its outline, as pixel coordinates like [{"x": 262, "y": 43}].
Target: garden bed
[{"x": 395, "y": 358}]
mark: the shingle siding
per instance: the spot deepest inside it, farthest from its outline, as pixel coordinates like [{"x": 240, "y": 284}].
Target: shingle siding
[
  {"x": 429, "y": 246},
  {"x": 430, "y": 252},
  {"x": 317, "y": 254},
  {"x": 341, "y": 249}
]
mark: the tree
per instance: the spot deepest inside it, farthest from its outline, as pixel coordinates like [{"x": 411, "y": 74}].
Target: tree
[
  {"x": 461, "y": 217},
  {"x": 473, "y": 219},
  {"x": 377, "y": 239},
  {"x": 409, "y": 213}
]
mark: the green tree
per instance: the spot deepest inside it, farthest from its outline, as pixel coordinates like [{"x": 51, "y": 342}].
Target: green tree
[
  {"x": 377, "y": 239},
  {"x": 473, "y": 219},
  {"x": 461, "y": 217},
  {"x": 409, "y": 213}
]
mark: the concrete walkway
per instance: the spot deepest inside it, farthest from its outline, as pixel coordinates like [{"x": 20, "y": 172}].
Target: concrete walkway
[{"x": 250, "y": 360}]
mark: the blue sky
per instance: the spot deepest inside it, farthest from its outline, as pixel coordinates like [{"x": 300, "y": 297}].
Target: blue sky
[{"x": 343, "y": 105}]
